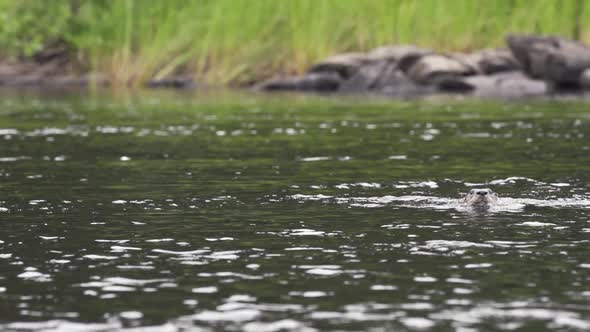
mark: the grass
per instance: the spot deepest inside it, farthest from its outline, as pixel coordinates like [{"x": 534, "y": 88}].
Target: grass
[{"x": 237, "y": 41}]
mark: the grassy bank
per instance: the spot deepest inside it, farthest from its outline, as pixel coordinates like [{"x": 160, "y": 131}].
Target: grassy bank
[{"x": 225, "y": 41}]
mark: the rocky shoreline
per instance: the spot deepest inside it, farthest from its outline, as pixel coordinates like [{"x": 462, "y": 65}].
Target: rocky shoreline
[{"x": 529, "y": 66}]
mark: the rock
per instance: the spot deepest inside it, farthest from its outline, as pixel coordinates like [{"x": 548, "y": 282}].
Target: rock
[
  {"x": 391, "y": 76},
  {"x": 384, "y": 78},
  {"x": 345, "y": 65},
  {"x": 557, "y": 60},
  {"x": 174, "y": 82},
  {"x": 585, "y": 79},
  {"x": 456, "y": 84},
  {"x": 397, "y": 53},
  {"x": 366, "y": 77},
  {"x": 403, "y": 87},
  {"x": 504, "y": 85},
  {"x": 489, "y": 61},
  {"x": 381, "y": 68},
  {"x": 429, "y": 68},
  {"x": 320, "y": 82},
  {"x": 517, "y": 84}
]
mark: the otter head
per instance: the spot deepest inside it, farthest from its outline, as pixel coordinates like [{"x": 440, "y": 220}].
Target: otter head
[{"x": 480, "y": 197}]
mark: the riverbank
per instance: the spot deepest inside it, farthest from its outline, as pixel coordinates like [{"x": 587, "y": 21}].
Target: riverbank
[
  {"x": 530, "y": 65},
  {"x": 239, "y": 42}
]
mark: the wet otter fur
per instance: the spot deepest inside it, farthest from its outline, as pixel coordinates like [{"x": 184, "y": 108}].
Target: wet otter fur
[{"x": 480, "y": 197}]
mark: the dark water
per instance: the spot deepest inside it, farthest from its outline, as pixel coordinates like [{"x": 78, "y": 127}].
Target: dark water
[{"x": 253, "y": 213}]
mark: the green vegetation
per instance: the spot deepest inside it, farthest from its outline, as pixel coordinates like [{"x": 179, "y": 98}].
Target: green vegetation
[{"x": 238, "y": 40}]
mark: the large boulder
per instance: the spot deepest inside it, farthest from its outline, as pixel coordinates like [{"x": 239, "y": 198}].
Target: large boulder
[
  {"x": 430, "y": 68},
  {"x": 345, "y": 65},
  {"x": 320, "y": 82},
  {"x": 384, "y": 78},
  {"x": 557, "y": 60},
  {"x": 397, "y": 53},
  {"x": 490, "y": 61},
  {"x": 366, "y": 77}
]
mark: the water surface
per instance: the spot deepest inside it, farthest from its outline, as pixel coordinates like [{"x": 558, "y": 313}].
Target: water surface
[{"x": 255, "y": 213}]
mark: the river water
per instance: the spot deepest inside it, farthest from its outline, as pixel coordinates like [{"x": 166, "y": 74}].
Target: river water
[{"x": 238, "y": 212}]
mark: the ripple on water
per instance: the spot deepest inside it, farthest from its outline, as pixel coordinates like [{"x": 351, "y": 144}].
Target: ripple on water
[
  {"x": 322, "y": 270},
  {"x": 515, "y": 312},
  {"x": 504, "y": 204},
  {"x": 276, "y": 326},
  {"x": 31, "y": 273}
]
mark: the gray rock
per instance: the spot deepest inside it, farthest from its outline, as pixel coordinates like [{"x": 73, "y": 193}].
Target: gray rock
[
  {"x": 557, "y": 60},
  {"x": 430, "y": 68},
  {"x": 489, "y": 61},
  {"x": 505, "y": 85},
  {"x": 585, "y": 79},
  {"x": 319, "y": 82},
  {"x": 366, "y": 77},
  {"x": 518, "y": 84},
  {"x": 400, "y": 86},
  {"x": 345, "y": 65},
  {"x": 397, "y": 53},
  {"x": 391, "y": 76},
  {"x": 384, "y": 78}
]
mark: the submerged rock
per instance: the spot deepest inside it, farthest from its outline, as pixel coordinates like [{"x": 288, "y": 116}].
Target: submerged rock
[{"x": 320, "y": 82}]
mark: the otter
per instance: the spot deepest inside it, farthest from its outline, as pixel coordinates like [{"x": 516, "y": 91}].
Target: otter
[{"x": 480, "y": 197}]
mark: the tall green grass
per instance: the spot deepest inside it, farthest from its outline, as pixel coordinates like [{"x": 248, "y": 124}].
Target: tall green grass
[{"x": 225, "y": 41}]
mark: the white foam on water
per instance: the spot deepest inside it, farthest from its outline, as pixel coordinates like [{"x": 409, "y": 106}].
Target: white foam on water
[{"x": 514, "y": 179}]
